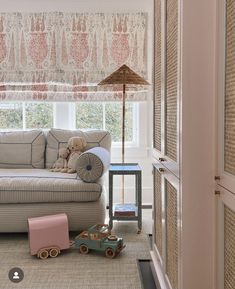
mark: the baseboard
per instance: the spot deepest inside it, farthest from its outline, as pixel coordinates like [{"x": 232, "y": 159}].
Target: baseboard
[{"x": 158, "y": 275}]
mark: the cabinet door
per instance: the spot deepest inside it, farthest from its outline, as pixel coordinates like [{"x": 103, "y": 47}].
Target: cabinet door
[
  {"x": 226, "y": 97},
  {"x": 226, "y": 240},
  {"x": 167, "y": 83},
  {"x": 166, "y": 236},
  {"x": 226, "y": 147}
]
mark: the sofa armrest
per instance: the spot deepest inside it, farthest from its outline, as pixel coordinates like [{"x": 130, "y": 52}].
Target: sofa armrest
[{"x": 92, "y": 164}]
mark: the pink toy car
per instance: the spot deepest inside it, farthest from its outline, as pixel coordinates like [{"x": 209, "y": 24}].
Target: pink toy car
[{"x": 48, "y": 235}]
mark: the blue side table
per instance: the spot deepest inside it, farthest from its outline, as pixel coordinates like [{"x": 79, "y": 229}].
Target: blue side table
[{"x": 126, "y": 169}]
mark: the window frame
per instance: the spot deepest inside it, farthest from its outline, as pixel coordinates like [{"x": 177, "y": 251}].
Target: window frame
[{"x": 64, "y": 117}]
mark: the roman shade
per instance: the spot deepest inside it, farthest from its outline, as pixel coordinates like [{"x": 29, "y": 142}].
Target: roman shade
[{"x": 57, "y": 56}]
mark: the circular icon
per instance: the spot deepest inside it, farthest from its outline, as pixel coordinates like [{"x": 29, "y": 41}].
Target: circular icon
[{"x": 16, "y": 275}]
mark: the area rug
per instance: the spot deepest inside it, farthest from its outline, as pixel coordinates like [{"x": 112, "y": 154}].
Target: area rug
[{"x": 71, "y": 270}]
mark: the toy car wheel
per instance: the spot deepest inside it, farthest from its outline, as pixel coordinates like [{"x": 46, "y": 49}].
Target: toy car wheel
[
  {"x": 112, "y": 238},
  {"x": 54, "y": 252},
  {"x": 109, "y": 253},
  {"x": 43, "y": 254},
  {"x": 83, "y": 249}
]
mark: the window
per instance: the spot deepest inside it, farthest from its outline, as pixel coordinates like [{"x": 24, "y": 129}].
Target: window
[
  {"x": 39, "y": 115},
  {"x": 26, "y": 115},
  {"x": 89, "y": 116},
  {"x": 11, "y": 116},
  {"x": 83, "y": 115},
  {"x": 108, "y": 116}
]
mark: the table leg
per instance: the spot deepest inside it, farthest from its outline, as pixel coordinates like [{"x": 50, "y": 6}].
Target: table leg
[
  {"x": 110, "y": 201},
  {"x": 139, "y": 203},
  {"x": 136, "y": 190}
]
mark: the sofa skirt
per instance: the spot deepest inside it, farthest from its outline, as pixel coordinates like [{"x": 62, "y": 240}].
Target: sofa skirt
[{"x": 81, "y": 215}]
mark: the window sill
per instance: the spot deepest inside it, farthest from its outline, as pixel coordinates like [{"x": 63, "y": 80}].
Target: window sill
[{"x": 131, "y": 152}]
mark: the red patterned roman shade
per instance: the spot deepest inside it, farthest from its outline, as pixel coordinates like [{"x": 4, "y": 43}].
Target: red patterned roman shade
[{"x": 55, "y": 56}]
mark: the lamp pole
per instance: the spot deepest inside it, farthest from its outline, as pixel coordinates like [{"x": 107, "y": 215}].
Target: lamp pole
[
  {"x": 123, "y": 122},
  {"x": 123, "y": 134}
]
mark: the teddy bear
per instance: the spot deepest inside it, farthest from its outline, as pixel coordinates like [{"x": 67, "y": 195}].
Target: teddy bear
[
  {"x": 61, "y": 163},
  {"x": 76, "y": 146}
]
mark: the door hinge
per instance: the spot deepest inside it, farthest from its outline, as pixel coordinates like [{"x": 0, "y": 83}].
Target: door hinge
[
  {"x": 217, "y": 178},
  {"x": 217, "y": 192}
]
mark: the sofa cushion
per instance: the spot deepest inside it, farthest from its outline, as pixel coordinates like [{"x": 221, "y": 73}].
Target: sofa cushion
[
  {"x": 92, "y": 164},
  {"x": 43, "y": 186},
  {"x": 57, "y": 138},
  {"x": 22, "y": 149}
]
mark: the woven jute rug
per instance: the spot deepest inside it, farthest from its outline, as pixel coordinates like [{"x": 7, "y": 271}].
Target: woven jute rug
[{"x": 71, "y": 270}]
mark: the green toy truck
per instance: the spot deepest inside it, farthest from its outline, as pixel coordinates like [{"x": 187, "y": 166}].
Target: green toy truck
[{"x": 99, "y": 238}]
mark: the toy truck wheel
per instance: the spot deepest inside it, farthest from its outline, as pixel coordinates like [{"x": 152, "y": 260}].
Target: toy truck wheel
[
  {"x": 43, "y": 254},
  {"x": 83, "y": 249},
  {"x": 54, "y": 252},
  {"x": 109, "y": 253}
]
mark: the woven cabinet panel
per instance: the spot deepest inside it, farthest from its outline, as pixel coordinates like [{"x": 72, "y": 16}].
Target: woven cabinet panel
[
  {"x": 158, "y": 211},
  {"x": 157, "y": 76},
  {"x": 171, "y": 235},
  {"x": 171, "y": 78},
  {"x": 229, "y": 141},
  {"x": 229, "y": 248}
]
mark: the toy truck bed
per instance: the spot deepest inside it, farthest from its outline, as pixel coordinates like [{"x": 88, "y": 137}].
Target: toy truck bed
[{"x": 48, "y": 234}]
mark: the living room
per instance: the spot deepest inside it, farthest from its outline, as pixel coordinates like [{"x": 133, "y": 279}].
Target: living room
[
  {"x": 116, "y": 136},
  {"x": 90, "y": 114}
]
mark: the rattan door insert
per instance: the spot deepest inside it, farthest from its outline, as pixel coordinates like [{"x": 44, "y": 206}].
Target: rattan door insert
[
  {"x": 172, "y": 78},
  {"x": 229, "y": 248},
  {"x": 171, "y": 235},
  {"x": 158, "y": 211},
  {"x": 229, "y": 102},
  {"x": 157, "y": 75},
  {"x": 229, "y": 144}
]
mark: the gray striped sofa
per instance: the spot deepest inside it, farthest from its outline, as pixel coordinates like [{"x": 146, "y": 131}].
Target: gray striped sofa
[{"x": 29, "y": 189}]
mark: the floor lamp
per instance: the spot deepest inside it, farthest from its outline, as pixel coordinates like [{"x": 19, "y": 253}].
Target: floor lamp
[{"x": 123, "y": 75}]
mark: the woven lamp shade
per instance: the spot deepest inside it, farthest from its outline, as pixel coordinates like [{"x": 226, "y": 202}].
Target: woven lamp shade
[{"x": 124, "y": 75}]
